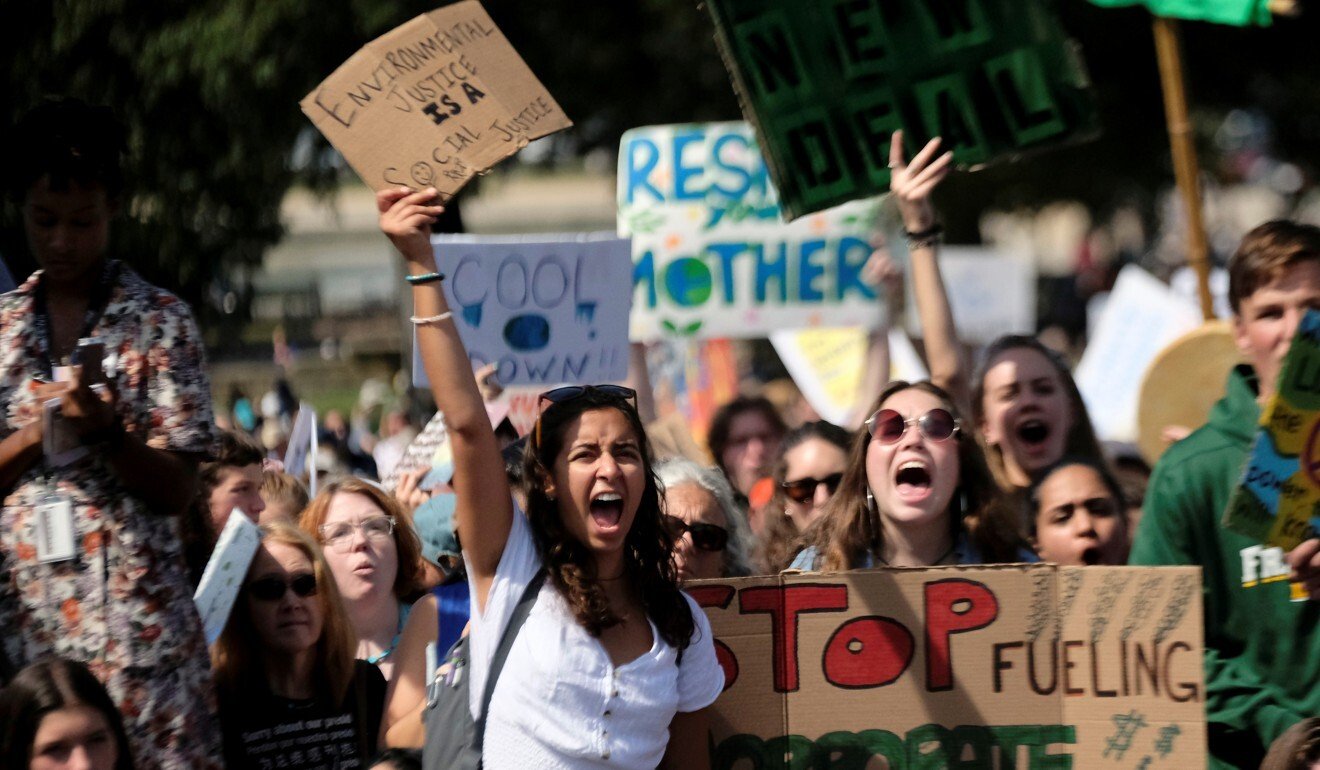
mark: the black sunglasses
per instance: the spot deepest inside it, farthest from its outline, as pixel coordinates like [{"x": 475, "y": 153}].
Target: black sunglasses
[
  {"x": 570, "y": 392},
  {"x": 888, "y": 426},
  {"x": 706, "y": 537},
  {"x": 272, "y": 588},
  {"x": 802, "y": 490}
]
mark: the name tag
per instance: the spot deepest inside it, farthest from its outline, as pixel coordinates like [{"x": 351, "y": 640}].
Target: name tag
[{"x": 55, "y": 536}]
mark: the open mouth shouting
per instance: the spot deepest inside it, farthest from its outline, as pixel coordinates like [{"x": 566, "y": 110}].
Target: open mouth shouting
[
  {"x": 912, "y": 481},
  {"x": 607, "y": 511},
  {"x": 1033, "y": 433},
  {"x": 1091, "y": 556}
]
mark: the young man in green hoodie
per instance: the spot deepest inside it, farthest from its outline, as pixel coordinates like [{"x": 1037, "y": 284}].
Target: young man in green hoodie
[{"x": 1262, "y": 662}]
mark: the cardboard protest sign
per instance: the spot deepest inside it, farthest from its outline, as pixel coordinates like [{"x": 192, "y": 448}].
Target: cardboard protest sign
[
  {"x": 1278, "y": 501},
  {"x": 1024, "y": 666},
  {"x": 714, "y": 259},
  {"x": 546, "y": 309},
  {"x": 1140, "y": 318},
  {"x": 433, "y": 102},
  {"x": 826, "y": 84},
  {"x": 225, "y": 572},
  {"x": 1239, "y": 13},
  {"x": 990, "y": 294},
  {"x": 828, "y": 365}
]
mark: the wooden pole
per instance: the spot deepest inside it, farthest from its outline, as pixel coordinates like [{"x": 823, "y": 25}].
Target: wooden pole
[{"x": 1186, "y": 170}]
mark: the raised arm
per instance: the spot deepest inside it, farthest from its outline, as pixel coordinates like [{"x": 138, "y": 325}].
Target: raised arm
[
  {"x": 912, "y": 183},
  {"x": 881, "y": 271},
  {"x": 485, "y": 510}
]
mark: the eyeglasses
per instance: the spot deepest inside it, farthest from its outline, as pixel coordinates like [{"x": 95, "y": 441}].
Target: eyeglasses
[
  {"x": 340, "y": 534},
  {"x": 272, "y": 588},
  {"x": 888, "y": 426},
  {"x": 802, "y": 490},
  {"x": 706, "y": 537},
  {"x": 572, "y": 392}
]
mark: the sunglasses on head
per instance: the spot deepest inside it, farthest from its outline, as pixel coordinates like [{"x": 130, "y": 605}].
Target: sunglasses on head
[
  {"x": 706, "y": 537},
  {"x": 568, "y": 393},
  {"x": 804, "y": 489},
  {"x": 272, "y": 588},
  {"x": 888, "y": 426}
]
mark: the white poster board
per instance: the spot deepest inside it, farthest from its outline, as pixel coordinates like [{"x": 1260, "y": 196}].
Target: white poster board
[
  {"x": 991, "y": 294},
  {"x": 1141, "y": 317},
  {"x": 547, "y": 309},
  {"x": 225, "y": 572},
  {"x": 714, "y": 259},
  {"x": 300, "y": 454}
]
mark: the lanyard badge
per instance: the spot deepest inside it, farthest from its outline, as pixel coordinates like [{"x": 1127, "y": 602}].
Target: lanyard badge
[{"x": 55, "y": 531}]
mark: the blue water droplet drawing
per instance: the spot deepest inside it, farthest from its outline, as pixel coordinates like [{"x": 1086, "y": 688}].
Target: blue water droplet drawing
[
  {"x": 472, "y": 314},
  {"x": 527, "y": 332}
]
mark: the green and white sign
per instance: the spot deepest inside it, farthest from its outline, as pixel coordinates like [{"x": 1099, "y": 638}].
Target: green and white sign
[
  {"x": 826, "y": 83},
  {"x": 711, "y": 256}
]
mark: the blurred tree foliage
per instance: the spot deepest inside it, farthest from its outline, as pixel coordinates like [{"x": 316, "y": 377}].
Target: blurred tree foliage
[{"x": 209, "y": 91}]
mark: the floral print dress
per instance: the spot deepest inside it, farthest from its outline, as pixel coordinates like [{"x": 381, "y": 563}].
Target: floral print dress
[{"x": 123, "y": 604}]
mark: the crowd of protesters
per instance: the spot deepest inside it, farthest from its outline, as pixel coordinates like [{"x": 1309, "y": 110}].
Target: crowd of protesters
[{"x": 545, "y": 572}]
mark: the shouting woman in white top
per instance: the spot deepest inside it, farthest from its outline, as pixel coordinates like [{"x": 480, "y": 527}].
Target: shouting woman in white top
[{"x": 615, "y": 666}]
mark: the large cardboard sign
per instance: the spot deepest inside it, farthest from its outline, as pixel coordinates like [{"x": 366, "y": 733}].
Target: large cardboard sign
[
  {"x": 1278, "y": 501},
  {"x": 1025, "y": 666},
  {"x": 714, "y": 259},
  {"x": 826, "y": 83},
  {"x": 547, "y": 309},
  {"x": 433, "y": 102},
  {"x": 1140, "y": 318}
]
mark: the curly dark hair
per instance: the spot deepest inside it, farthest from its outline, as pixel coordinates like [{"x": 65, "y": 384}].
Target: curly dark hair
[{"x": 648, "y": 547}]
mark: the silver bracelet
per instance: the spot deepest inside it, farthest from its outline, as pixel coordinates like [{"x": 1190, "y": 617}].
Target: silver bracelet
[{"x": 430, "y": 319}]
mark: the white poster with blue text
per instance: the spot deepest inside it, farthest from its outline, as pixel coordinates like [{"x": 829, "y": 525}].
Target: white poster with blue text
[
  {"x": 711, "y": 256},
  {"x": 547, "y": 309}
]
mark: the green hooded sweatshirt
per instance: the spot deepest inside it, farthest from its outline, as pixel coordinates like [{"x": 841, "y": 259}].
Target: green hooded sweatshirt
[{"x": 1262, "y": 648}]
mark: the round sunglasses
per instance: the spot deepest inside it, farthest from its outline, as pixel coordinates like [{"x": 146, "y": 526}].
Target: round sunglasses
[
  {"x": 272, "y": 588},
  {"x": 706, "y": 537},
  {"x": 804, "y": 489},
  {"x": 888, "y": 426}
]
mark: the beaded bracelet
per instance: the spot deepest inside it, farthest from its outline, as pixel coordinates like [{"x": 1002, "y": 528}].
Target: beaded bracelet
[
  {"x": 430, "y": 319},
  {"x": 418, "y": 280}
]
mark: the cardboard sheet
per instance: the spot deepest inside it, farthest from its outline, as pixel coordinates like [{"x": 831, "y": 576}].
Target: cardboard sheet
[
  {"x": 1026, "y": 666},
  {"x": 433, "y": 102}
]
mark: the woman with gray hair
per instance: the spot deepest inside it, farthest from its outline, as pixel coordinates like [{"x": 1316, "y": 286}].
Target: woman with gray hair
[{"x": 711, "y": 538}]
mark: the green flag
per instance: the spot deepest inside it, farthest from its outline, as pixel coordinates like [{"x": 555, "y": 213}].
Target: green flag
[{"x": 1239, "y": 13}]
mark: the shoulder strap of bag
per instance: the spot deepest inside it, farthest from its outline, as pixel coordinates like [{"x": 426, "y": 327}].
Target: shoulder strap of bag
[{"x": 516, "y": 621}]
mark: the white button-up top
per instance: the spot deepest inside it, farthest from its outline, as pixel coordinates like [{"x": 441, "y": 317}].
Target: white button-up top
[{"x": 560, "y": 702}]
